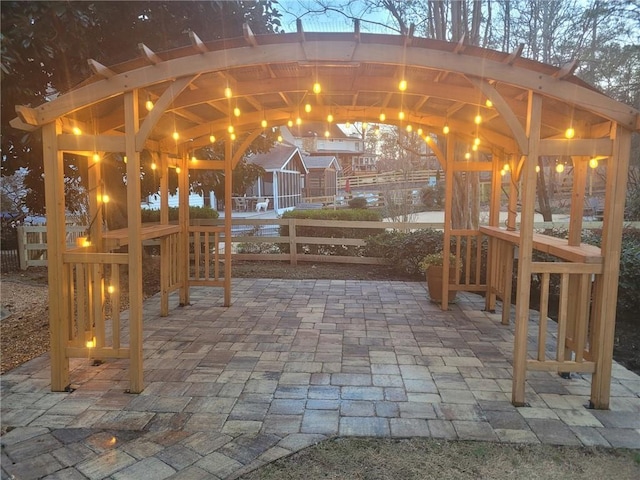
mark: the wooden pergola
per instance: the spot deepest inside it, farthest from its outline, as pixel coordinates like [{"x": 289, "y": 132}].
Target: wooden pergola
[{"x": 519, "y": 110}]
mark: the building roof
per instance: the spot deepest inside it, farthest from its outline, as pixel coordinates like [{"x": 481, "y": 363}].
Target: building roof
[
  {"x": 278, "y": 158},
  {"x": 321, "y": 162}
]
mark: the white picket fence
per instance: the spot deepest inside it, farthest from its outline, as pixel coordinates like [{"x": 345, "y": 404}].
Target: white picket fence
[{"x": 32, "y": 243}]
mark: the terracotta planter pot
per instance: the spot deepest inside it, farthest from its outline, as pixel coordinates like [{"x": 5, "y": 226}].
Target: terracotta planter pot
[{"x": 434, "y": 284}]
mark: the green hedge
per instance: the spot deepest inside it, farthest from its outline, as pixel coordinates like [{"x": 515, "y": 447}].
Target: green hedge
[
  {"x": 350, "y": 214},
  {"x": 194, "y": 212}
]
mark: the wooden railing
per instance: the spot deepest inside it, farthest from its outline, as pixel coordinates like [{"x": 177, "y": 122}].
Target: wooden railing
[
  {"x": 204, "y": 264},
  {"x": 468, "y": 246},
  {"x": 93, "y": 330},
  {"x": 371, "y": 180}
]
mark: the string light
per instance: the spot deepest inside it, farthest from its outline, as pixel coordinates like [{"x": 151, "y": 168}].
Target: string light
[
  {"x": 290, "y": 123},
  {"x": 327, "y": 134},
  {"x": 570, "y": 132},
  {"x": 467, "y": 156},
  {"x": 233, "y": 136},
  {"x": 488, "y": 103},
  {"x": 236, "y": 112},
  {"x": 77, "y": 131},
  {"x": 402, "y": 86},
  {"x": 96, "y": 157},
  {"x": 111, "y": 289},
  {"x": 477, "y": 119},
  {"x": 401, "y": 115},
  {"x": 298, "y": 121},
  {"x": 280, "y": 138},
  {"x": 263, "y": 123},
  {"x": 105, "y": 198},
  {"x": 409, "y": 128},
  {"x": 446, "y": 129},
  {"x": 228, "y": 93},
  {"x": 91, "y": 343},
  {"x": 175, "y": 135},
  {"x": 178, "y": 169},
  {"x": 560, "y": 167},
  {"x": 537, "y": 168},
  {"x": 420, "y": 131},
  {"x": 317, "y": 88},
  {"x": 506, "y": 167},
  {"x": 383, "y": 117},
  {"x": 154, "y": 166},
  {"x": 474, "y": 147},
  {"x": 307, "y": 108},
  {"x": 194, "y": 159},
  {"x": 593, "y": 163},
  {"x": 365, "y": 125},
  {"x": 347, "y": 125},
  {"x": 330, "y": 118},
  {"x": 212, "y": 138},
  {"x": 230, "y": 129},
  {"x": 503, "y": 173},
  {"x": 148, "y": 104}
]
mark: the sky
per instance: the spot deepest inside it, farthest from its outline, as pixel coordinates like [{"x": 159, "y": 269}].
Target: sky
[{"x": 339, "y": 20}]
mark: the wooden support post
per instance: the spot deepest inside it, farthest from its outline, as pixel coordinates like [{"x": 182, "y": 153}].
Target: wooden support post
[
  {"x": 448, "y": 205},
  {"x": 293, "y": 242},
  {"x": 580, "y": 166},
  {"x": 185, "y": 238},
  {"x": 606, "y": 291},
  {"x": 534, "y": 114},
  {"x": 494, "y": 220},
  {"x": 165, "y": 251},
  {"x": 228, "y": 187},
  {"x": 56, "y": 245},
  {"x": 134, "y": 226}
]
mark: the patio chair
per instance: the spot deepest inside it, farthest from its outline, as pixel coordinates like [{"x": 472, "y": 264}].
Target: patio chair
[{"x": 240, "y": 204}]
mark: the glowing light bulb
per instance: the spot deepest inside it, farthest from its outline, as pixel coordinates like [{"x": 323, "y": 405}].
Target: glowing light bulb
[
  {"x": 329, "y": 118},
  {"x": 476, "y": 141},
  {"x": 105, "y": 198},
  {"x": 280, "y": 138},
  {"x": 228, "y": 93},
  {"x": 593, "y": 163},
  {"x": 298, "y": 121},
  {"x": 506, "y": 167},
  {"x": 96, "y": 157},
  {"x": 420, "y": 131},
  {"x": 402, "y": 86},
  {"x": 194, "y": 159},
  {"x": 212, "y": 138},
  {"x": 230, "y": 129},
  {"x": 446, "y": 129},
  {"x": 427, "y": 139},
  {"x": 474, "y": 148},
  {"x": 365, "y": 125},
  {"x": 77, "y": 131},
  {"x": 290, "y": 123},
  {"x": 347, "y": 125},
  {"x": 570, "y": 133},
  {"x": 488, "y": 103},
  {"x": 560, "y": 167},
  {"x": 154, "y": 166},
  {"x": 503, "y": 173},
  {"x": 233, "y": 136},
  {"x": 467, "y": 156},
  {"x": 383, "y": 117},
  {"x": 478, "y": 119},
  {"x": 236, "y": 112},
  {"x": 111, "y": 289},
  {"x": 175, "y": 135},
  {"x": 327, "y": 134},
  {"x": 401, "y": 115},
  {"x": 148, "y": 104},
  {"x": 317, "y": 88},
  {"x": 263, "y": 123},
  {"x": 124, "y": 159},
  {"x": 409, "y": 128},
  {"x": 537, "y": 168},
  {"x": 91, "y": 343},
  {"x": 307, "y": 108},
  {"x": 178, "y": 169}
]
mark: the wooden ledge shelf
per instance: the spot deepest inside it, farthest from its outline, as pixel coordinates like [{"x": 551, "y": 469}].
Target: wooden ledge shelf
[
  {"x": 557, "y": 247},
  {"x": 119, "y": 238}
]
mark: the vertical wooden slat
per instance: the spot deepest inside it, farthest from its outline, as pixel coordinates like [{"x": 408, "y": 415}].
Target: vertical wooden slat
[
  {"x": 562, "y": 316},
  {"x": 293, "y": 242},
  {"x": 507, "y": 260},
  {"x": 582, "y": 315},
  {"x": 606, "y": 292},
  {"x": 82, "y": 314},
  {"x": 135, "y": 243},
  {"x": 216, "y": 257},
  {"x": 448, "y": 208},
  {"x": 183, "y": 220},
  {"x": 478, "y": 239},
  {"x": 97, "y": 300},
  {"x": 207, "y": 255},
  {"x": 578, "y": 189},
  {"x": 529, "y": 180},
  {"x": 115, "y": 305},
  {"x": 165, "y": 274},
  {"x": 467, "y": 278},
  {"x": 544, "y": 312},
  {"x": 494, "y": 219},
  {"x": 196, "y": 254}
]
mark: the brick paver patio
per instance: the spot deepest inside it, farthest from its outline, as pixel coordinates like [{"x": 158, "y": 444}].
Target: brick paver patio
[{"x": 291, "y": 363}]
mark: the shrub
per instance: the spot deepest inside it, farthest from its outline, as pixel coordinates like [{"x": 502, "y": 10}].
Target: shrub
[
  {"x": 194, "y": 212},
  {"x": 433, "y": 197},
  {"x": 358, "y": 202},
  {"x": 406, "y": 250},
  {"x": 331, "y": 232}
]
